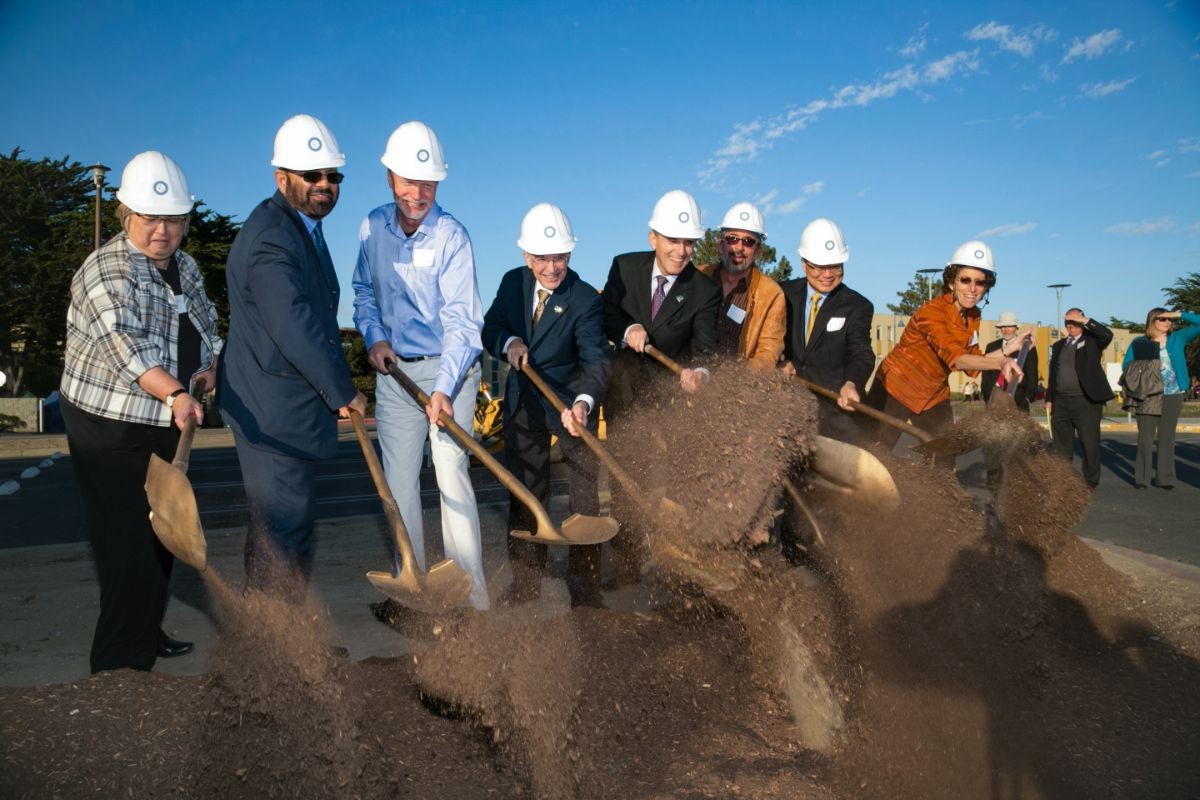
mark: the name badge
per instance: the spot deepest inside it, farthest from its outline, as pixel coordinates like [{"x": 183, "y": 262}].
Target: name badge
[
  {"x": 422, "y": 258},
  {"x": 181, "y": 304},
  {"x": 736, "y": 314},
  {"x": 835, "y": 323}
]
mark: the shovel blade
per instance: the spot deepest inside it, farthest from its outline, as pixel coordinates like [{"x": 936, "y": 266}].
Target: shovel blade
[
  {"x": 576, "y": 529},
  {"x": 174, "y": 515},
  {"x": 857, "y": 470},
  {"x": 444, "y": 587}
]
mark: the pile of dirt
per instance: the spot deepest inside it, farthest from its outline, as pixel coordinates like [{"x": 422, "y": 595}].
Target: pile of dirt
[{"x": 940, "y": 650}]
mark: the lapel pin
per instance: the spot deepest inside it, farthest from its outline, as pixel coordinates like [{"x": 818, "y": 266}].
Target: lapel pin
[
  {"x": 678, "y": 298},
  {"x": 558, "y": 309}
]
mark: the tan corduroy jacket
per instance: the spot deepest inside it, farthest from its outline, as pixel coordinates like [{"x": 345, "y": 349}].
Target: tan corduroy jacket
[{"x": 761, "y": 342}]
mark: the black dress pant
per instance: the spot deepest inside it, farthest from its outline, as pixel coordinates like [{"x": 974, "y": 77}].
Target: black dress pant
[
  {"x": 110, "y": 459},
  {"x": 1072, "y": 415},
  {"x": 935, "y": 420},
  {"x": 527, "y": 453}
]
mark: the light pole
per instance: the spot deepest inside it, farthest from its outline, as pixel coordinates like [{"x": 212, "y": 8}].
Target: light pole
[
  {"x": 1058, "y": 289},
  {"x": 98, "y": 171},
  {"x": 929, "y": 281}
]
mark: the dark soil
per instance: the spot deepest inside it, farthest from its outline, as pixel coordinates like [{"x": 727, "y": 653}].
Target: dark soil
[{"x": 939, "y": 650}]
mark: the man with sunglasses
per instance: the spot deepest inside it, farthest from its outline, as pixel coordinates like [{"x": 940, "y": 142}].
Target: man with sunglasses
[
  {"x": 829, "y": 328},
  {"x": 752, "y": 315},
  {"x": 284, "y": 379},
  {"x": 416, "y": 302},
  {"x": 1078, "y": 390}
]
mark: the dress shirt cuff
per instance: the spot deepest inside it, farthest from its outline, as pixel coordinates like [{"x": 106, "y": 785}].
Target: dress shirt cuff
[
  {"x": 587, "y": 400},
  {"x": 375, "y": 334},
  {"x": 508, "y": 342},
  {"x": 625, "y": 335}
]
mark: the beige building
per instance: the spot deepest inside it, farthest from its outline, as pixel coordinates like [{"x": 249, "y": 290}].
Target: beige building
[{"x": 886, "y": 330}]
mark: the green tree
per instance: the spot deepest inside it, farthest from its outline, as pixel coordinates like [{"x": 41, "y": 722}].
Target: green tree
[
  {"x": 1185, "y": 296},
  {"x": 913, "y": 296},
  {"x": 354, "y": 346},
  {"x": 707, "y": 253},
  {"x": 1127, "y": 324}
]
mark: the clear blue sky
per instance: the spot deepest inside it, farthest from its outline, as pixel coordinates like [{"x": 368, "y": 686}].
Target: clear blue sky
[{"x": 1066, "y": 136}]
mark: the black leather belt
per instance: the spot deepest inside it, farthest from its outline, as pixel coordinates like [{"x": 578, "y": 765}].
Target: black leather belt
[{"x": 415, "y": 359}]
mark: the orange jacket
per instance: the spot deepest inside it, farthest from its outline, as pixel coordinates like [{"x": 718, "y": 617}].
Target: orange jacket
[
  {"x": 761, "y": 341},
  {"x": 915, "y": 371}
]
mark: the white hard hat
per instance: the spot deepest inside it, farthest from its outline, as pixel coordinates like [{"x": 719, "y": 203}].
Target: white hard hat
[
  {"x": 974, "y": 254},
  {"x": 152, "y": 183},
  {"x": 304, "y": 143},
  {"x": 1008, "y": 319},
  {"x": 822, "y": 244},
  {"x": 676, "y": 215},
  {"x": 744, "y": 217},
  {"x": 546, "y": 231},
  {"x": 414, "y": 152}
]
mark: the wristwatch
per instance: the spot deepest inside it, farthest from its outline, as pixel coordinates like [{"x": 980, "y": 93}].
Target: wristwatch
[{"x": 170, "y": 399}]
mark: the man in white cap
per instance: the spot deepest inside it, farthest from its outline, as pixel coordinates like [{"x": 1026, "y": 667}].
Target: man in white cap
[
  {"x": 753, "y": 314},
  {"x": 284, "y": 378},
  {"x": 545, "y": 317},
  {"x": 656, "y": 297},
  {"x": 416, "y": 302},
  {"x": 1008, "y": 324}
]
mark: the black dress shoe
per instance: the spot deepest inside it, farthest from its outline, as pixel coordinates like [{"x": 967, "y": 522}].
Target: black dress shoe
[
  {"x": 1168, "y": 488},
  {"x": 1139, "y": 486},
  {"x": 170, "y": 648}
]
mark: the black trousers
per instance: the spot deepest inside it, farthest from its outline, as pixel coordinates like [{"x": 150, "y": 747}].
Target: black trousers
[
  {"x": 110, "y": 459},
  {"x": 1074, "y": 414},
  {"x": 527, "y": 453},
  {"x": 932, "y": 420}
]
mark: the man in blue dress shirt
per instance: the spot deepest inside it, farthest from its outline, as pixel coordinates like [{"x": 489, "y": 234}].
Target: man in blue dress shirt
[{"x": 416, "y": 302}]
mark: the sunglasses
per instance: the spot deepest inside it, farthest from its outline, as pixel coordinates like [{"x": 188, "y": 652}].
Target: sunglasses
[
  {"x": 965, "y": 281},
  {"x": 731, "y": 240},
  {"x": 314, "y": 176},
  {"x": 1073, "y": 322},
  {"x": 1162, "y": 319}
]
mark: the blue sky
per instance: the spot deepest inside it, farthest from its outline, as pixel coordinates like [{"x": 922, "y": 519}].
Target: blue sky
[{"x": 1066, "y": 136}]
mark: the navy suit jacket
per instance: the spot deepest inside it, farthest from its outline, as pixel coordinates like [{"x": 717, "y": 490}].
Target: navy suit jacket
[
  {"x": 283, "y": 374},
  {"x": 840, "y": 349},
  {"x": 568, "y": 349},
  {"x": 1095, "y": 337}
]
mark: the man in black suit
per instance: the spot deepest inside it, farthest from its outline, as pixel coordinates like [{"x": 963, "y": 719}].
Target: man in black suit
[
  {"x": 828, "y": 339},
  {"x": 1078, "y": 390},
  {"x": 544, "y": 316},
  {"x": 1027, "y": 388},
  {"x": 284, "y": 378},
  {"x": 658, "y": 298}
]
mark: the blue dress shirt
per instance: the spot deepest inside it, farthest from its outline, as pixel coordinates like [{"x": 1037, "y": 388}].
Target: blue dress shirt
[{"x": 419, "y": 292}]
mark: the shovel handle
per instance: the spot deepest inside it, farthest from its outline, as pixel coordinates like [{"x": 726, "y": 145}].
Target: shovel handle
[
  {"x": 589, "y": 438},
  {"x": 183, "y": 450},
  {"x": 874, "y": 413},
  {"x": 663, "y": 358},
  {"x": 390, "y": 510},
  {"x": 519, "y": 490},
  {"x": 1021, "y": 356}
]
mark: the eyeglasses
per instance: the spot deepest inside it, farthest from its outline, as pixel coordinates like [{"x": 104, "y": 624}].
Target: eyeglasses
[
  {"x": 732, "y": 239},
  {"x": 314, "y": 176},
  {"x": 1074, "y": 323},
  {"x": 154, "y": 220},
  {"x": 965, "y": 281},
  {"x": 560, "y": 258},
  {"x": 832, "y": 269}
]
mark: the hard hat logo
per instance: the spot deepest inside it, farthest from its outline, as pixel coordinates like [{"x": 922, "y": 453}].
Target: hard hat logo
[
  {"x": 422, "y": 156},
  {"x": 314, "y": 144},
  {"x": 549, "y": 232},
  {"x": 161, "y": 188},
  {"x": 684, "y": 216},
  {"x": 830, "y": 244},
  {"x": 979, "y": 254},
  {"x": 744, "y": 216}
]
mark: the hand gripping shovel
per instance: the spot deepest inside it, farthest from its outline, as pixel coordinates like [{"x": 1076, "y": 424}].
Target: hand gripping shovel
[
  {"x": 173, "y": 512},
  {"x": 445, "y": 586},
  {"x": 576, "y": 529},
  {"x": 843, "y": 467},
  {"x": 1008, "y": 398},
  {"x": 668, "y": 511},
  {"x": 925, "y": 438}
]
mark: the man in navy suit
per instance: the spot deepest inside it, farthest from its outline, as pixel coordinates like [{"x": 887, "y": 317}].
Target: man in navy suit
[
  {"x": 545, "y": 316},
  {"x": 828, "y": 340},
  {"x": 658, "y": 298},
  {"x": 284, "y": 379}
]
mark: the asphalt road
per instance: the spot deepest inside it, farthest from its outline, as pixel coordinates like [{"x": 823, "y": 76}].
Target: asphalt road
[{"x": 46, "y": 510}]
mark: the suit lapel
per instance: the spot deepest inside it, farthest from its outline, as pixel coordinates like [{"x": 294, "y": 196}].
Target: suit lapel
[
  {"x": 639, "y": 285},
  {"x": 528, "y": 287}
]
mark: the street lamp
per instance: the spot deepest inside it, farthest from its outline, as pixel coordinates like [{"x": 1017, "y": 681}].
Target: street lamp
[
  {"x": 98, "y": 171},
  {"x": 929, "y": 281},
  {"x": 1057, "y": 287}
]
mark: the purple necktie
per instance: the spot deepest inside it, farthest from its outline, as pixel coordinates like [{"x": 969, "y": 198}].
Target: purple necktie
[{"x": 660, "y": 294}]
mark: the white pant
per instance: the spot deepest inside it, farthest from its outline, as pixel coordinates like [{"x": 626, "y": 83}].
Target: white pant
[{"x": 402, "y": 428}]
